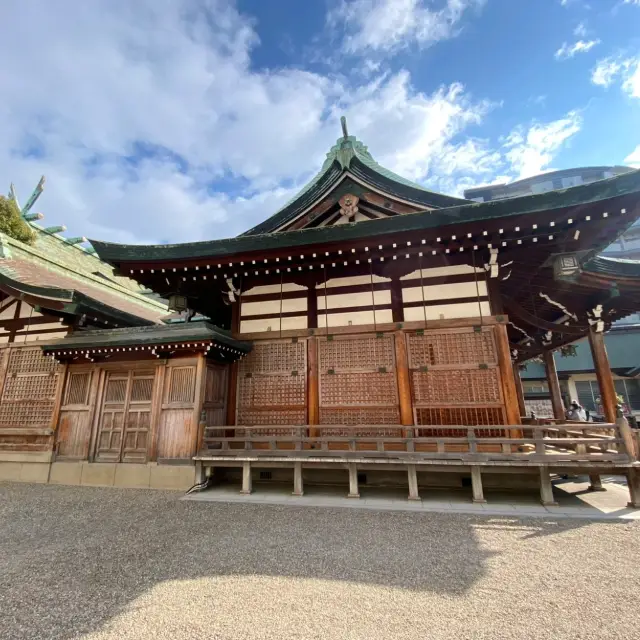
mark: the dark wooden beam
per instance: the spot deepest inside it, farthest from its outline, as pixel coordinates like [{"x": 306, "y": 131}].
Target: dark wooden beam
[
  {"x": 517, "y": 311},
  {"x": 554, "y": 385},
  {"x": 519, "y": 390},
  {"x": 397, "y": 309}
]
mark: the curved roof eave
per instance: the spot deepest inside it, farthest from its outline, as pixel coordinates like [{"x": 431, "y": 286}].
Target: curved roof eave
[{"x": 625, "y": 184}]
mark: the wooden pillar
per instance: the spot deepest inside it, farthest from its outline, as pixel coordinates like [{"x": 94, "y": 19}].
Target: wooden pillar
[
  {"x": 476, "y": 484},
  {"x": 554, "y": 385},
  {"x": 312, "y": 306},
  {"x": 633, "y": 482},
  {"x": 512, "y": 408},
  {"x": 201, "y": 373},
  {"x": 595, "y": 483},
  {"x": 353, "y": 481},
  {"x": 246, "y": 479},
  {"x": 313, "y": 390},
  {"x": 232, "y": 394},
  {"x": 522, "y": 407},
  {"x": 404, "y": 385},
  {"x": 413, "y": 482},
  {"x": 156, "y": 409},
  {"x": 546, "y": 488},
  {"x": 397, "y": 307},
  {"x": 603, "y": 373},
  {"x": 297, "y": 479}
]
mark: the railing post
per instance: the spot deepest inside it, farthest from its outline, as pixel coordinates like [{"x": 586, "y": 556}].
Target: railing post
[
  {"x": 471, "y": 438},
  {"x": 539, "y": 440},
  {"x": 622, "y": 426}
]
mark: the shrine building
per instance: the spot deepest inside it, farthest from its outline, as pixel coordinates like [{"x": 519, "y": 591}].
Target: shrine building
[{"x": 370, "y": 331}]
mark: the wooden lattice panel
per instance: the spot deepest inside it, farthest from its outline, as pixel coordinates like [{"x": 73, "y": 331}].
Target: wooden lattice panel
[
  {"x": 358, "y": 388},
  {"x": 365, "y": 353},
  {"x": 182, "y": 386},
  {"x": 77, "y": 388},
  {"x": 271, "y": 390},
  {"x": 275, "y": 416},
  {"x": 357, "y": 380},
  {"x": 455, "y": 379},
  {"x": 451, "y": 347},
  {"x": 362, "y": 415},
  {"x": 275, "y": 357},
  {"x": 30, "y": 360},
  {"x": 471, "y": 416},
  {"x": 456, "y": 386},
  {"x": 272, "y": 383},
  {"x": 28, "y": 395}
]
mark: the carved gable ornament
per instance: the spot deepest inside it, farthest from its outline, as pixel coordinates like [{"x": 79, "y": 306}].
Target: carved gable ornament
[
  {"x": 349, "y": 206},
  {"x": 566, "y": 265}
]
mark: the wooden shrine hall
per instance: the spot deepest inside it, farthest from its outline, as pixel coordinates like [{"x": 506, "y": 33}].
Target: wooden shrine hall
[{"x": 370, "y": 331}]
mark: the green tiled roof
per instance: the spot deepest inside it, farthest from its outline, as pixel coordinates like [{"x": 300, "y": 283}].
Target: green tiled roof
[
  {"x": 602, "y": 190},
  {"x": 613, "y": 267},
  {"x": 157, "y": 334}
]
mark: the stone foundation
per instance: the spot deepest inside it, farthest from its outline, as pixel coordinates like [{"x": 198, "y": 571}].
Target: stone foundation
[{"x": 99, "y": 474}]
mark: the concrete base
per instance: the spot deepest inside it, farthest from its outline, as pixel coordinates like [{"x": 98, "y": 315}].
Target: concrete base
[{"x": 101, "y": 474}]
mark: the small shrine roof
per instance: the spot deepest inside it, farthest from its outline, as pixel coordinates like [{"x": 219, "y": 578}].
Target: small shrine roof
[{"x": 151, "y": 335}]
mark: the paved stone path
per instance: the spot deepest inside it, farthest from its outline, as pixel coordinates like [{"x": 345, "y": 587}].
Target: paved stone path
[{"x": 106, "y": 564}]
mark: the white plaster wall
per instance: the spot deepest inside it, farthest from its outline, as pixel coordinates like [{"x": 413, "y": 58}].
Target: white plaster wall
[{"x": 447, "y": 311}]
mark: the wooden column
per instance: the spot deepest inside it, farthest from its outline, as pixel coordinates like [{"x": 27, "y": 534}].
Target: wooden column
[
  {"x": 397, "y": 308},
  {"x": 201, "y": 374},
  {"x": 298, "y": 489},
  {"x": 404, "y": 385},
  {"x": 413, "y": 482},
  {"x": 633, "y": 482},
  {"x": 354, "y": 492},
  {"x": 232, "y": 394},
  {"x": 156, "y": 410},
  {"x": 312, "y": 306},
  {"x": 476, "y": 484},
  {"x": 603, "y": 373},
  {"x": 554, "y": 385},
  {"x": 246, "y": 479},
  {"x": 546, "y": 488},
  {"x": 519, "y": 390},
  {"x": 313, "y": 389},
  {"x": 512, "y": 409}
]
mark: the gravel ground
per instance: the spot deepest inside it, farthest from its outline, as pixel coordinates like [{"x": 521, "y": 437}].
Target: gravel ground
[{"x": 108, "y": 563}]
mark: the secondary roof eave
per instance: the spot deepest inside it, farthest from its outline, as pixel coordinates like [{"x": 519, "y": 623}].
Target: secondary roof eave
[
  {"x": 622, "y": 185},
  {"x": 66, "y": 301},
  {"x": 153, "y": 335}
]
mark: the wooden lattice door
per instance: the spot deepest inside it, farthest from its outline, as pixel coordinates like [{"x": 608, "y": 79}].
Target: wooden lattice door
[{"x": 125, "y": 417}]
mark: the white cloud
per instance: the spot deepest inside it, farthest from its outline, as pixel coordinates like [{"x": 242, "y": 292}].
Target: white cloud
[
  {"x": 390, "y": 25},
  {"x": 633, "y": 159},
  {"x": 152, "y": 125},
  {"x": 531, "y": 151},
  {"x": 580, "y": 31},
  {"x": 570, "y": 50},
  {"x": 633, "y": 2},
  {"x": 626, "y": 70}
]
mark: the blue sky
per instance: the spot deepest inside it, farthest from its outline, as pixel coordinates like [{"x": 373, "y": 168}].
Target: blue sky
[{"x": 179, "y": 120}]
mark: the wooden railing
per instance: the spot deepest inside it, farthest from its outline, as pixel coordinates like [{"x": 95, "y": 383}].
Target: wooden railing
[{"x": 575, "y": 442}]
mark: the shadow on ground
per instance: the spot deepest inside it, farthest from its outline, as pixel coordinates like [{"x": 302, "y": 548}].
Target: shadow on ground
[{"x": 71, "y": 559}]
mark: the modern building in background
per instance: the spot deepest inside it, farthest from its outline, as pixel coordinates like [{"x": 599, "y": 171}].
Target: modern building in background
[{"x": 576, "y": 373}]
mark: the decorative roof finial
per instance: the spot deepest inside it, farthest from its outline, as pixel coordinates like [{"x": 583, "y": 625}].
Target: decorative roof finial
[{"x": 343, "y": 122}]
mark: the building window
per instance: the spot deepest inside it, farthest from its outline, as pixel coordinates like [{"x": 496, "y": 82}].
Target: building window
[
  {"x": 630, "y": 392},
  {"x": 588, "y": 392},
  {"x": 535, "y": 386}
]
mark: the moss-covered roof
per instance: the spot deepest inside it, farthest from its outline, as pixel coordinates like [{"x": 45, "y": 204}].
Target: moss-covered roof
[
  {"x": 157, "y": 334},
  {"x": 350, "y": 154},
  {"x": 600, "y": 191},
  {"x": 64, "y": 272}
]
